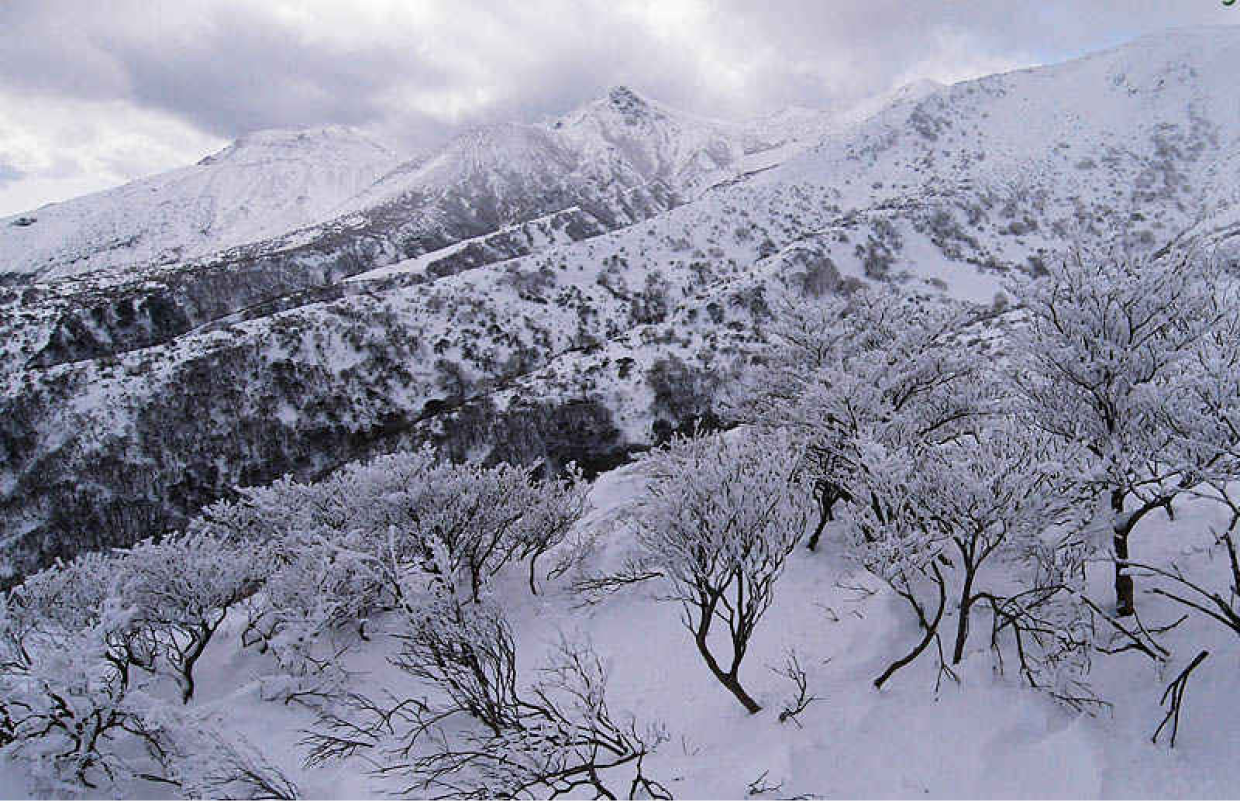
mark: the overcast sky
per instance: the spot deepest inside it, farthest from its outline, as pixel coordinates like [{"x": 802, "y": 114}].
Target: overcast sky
[{"x": 93, "y": 94}]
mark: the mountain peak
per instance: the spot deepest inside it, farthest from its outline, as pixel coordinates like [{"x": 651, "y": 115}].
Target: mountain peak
[
  {"x": 273, "y": 142},
  {"x": 627, "y": 101}
]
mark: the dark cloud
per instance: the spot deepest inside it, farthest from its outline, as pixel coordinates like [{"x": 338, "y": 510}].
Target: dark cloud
[
  {"x": 227, "y": 69},
  {"x": 417, "y": 72}
]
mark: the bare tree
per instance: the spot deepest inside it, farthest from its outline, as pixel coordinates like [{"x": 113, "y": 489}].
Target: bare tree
[
  {"x": 792, "y": 671},
  {"x": 719, "y": 519},
  {"x": 555, "y": 738}
]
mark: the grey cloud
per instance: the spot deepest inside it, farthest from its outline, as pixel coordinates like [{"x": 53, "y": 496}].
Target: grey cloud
[
  {"x": 228, "y": 70},
  {"x": 859, "y": 48}
]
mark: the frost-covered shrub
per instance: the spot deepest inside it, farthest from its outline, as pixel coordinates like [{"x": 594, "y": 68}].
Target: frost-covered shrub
[
  {"x": 1119, "y": 355},
  {"x": 983, "y": 520},
  {"x": 482, "y": 737},
  {"x": 179, "y": 591},
  {"x": 878, "y": 254},
  {"x": 719, "y": 518},
  {"x": 651, "y": 304},
  {"x": 74, "y": 667},
  {"x": 879, "y": 361},
  {"x": 351, "y": 546},
  {"x": 202, "y": 761},
  {"x": 904, "y": 425},
  {"x": 463, "y": 647}
]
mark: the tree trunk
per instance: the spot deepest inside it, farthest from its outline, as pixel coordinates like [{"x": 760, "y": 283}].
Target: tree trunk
[
  {"x": 931, "y": 631},
  {"x": 962, "y": 625},
  {"x": 734, "y": 686},
  {"x": 1125, "y": 604},
  {"x": 825, "y": 502},
  {"x": 728, "y": 679},
  {"x": 198, "y": 643}
]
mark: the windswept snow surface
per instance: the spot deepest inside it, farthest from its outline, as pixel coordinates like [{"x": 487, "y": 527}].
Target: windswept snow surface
[{"x": 987, "y": 737}]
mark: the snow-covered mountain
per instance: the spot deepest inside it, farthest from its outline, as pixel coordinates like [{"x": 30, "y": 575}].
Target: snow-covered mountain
[
  {"x": 615, "y": 143},
  {"x": 576, "y": 288},
  {"x": 490, "y": 194},
  {"x": 270, "y": 183},
  {"x": 263, "y": 184}
]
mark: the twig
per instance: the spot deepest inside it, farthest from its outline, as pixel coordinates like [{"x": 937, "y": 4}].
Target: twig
[
  {"x": 793, "y": 672},
  {"x": 759, "y": 786},
  {"x": 1175, "y": 694}
]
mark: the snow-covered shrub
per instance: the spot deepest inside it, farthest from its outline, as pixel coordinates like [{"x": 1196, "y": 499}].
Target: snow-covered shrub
[
  {"x": 878, "y": 359},
  {"x": 1214, "y": 430},
  {"x": 74, "y": 667},
  {"x": 180, "y": 589},
  {"x": 351, "y": 546},
  {"x": 557, "y": 737},
  {"x": 305, "y": 618},
  {"x": 202, "y": 761},
  {"x": 719, "y": 518},
  {"x": 903, "y": 421},
  {"x": 982, "y": 520},
  {"x": 467, "y": 652},
  {"x": 1116, "y": 355},
  {"x": 683, "y": 395},
  {"x": 389, "y": 511}
]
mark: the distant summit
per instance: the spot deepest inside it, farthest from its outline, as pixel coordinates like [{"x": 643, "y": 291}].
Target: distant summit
[
  {"x": 627, "y": 101},
  {"x": 325, "y": 141},
  {"x": 263, "y": 184}
]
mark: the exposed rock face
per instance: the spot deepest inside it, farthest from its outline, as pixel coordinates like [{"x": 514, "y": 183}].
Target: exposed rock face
[{"x": 576, "y": 290}]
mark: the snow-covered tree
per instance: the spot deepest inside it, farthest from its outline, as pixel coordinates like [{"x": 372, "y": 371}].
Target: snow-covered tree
[
  {"x": 880, "y": 357},
  {"x": 718, "y": 521},
  {"x": 180, "y": 589},
  {"x": 1111, "y": 358},
  {"x": 977, "y": 519}
]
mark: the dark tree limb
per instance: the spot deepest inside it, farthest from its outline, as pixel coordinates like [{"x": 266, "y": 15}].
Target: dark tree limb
[
  {"x": 930, "y": 627},
  {"x": 1173, "y": 698}
]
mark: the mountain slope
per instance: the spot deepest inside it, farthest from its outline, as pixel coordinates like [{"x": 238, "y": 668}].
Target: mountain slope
[
  {"x": 990, "y": 736},
  {"x": 502, "y": 190},
  {"x": 263, "y": 184}
]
